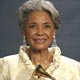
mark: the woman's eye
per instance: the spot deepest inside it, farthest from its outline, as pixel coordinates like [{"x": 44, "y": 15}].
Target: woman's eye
[
  {"x": 47, "y": 26},
  {"x": 32, "y": 26}
]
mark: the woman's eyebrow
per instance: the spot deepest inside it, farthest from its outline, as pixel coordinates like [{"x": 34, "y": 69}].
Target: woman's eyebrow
[
  {"x": 47, "y": 23},
  {"x": 32, "y": 23}
]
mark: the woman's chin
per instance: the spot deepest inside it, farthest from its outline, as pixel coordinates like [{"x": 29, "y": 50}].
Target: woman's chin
[{"x": 40, "y": 47}]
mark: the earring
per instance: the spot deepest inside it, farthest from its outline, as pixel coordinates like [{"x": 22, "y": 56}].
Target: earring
[
  {"x": 54, "y": 44},
  {"x": 24, "y": 44},
  {"x": 24, "y": 41}
]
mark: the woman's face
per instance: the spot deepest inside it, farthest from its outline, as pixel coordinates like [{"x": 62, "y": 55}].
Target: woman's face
[{"x": 39, "y": 30}]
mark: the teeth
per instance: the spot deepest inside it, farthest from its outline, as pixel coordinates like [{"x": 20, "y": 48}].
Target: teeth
[{"x": 40, "y": 41}]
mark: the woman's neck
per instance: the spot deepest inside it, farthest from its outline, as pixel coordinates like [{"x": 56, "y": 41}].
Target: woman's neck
[{"x": 40, "y": 57}]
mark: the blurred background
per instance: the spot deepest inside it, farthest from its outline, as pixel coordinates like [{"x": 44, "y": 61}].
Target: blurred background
[{"x": 68, "y": 36}]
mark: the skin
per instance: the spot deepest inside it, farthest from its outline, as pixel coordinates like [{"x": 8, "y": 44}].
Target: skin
[{"x": 39, "y": 31}]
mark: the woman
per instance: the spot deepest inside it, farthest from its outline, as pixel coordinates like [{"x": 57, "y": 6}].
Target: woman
[{"x": 39, "y": 57}]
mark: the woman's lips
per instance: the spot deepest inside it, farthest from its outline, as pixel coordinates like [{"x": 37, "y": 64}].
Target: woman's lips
[{"x": 40, "y": 40}]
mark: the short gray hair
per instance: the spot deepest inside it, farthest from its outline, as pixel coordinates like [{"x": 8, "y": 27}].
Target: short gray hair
[{"x": 32, "y": 5}]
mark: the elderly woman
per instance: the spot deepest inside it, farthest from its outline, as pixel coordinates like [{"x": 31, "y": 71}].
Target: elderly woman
[{"x": 39, "y": 57}]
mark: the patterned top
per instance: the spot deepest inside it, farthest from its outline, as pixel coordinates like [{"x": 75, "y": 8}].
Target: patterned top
[{"x": 20, "y": 67}]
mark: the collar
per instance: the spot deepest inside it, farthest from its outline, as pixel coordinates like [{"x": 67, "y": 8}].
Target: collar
[{"x": 23, "y": 53}]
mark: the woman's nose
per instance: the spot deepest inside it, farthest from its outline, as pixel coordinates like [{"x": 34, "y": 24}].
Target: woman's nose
[{"x": 40, "y": 31}]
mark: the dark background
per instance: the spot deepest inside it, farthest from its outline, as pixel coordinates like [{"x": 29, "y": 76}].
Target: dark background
[{"x": 68, "y": 36}]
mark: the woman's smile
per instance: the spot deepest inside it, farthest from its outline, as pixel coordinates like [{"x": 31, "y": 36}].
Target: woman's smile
[{"x": 40, "y": 40}]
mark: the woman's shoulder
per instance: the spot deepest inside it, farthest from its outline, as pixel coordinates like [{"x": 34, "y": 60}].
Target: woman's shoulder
[
  {"x": 9, "y": 59},
  {"x": 71, "y": 65},
  {"x": 68, "y": 60}
]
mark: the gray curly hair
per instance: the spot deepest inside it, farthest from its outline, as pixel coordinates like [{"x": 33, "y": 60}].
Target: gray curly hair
[{"x": 32, "y": 5}]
